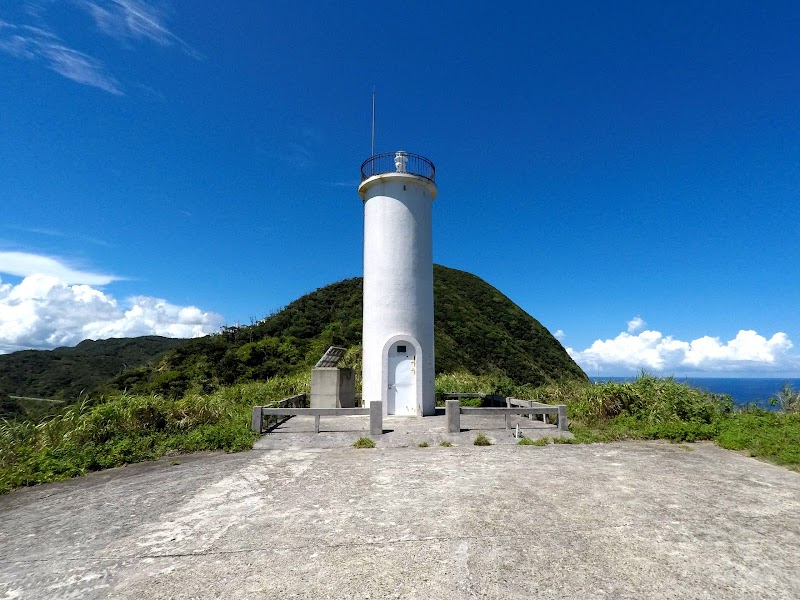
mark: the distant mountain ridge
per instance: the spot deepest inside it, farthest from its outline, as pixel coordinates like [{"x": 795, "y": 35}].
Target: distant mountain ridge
[{"x": 63, "y": 373}]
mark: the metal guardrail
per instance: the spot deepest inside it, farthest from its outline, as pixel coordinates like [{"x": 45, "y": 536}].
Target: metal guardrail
[{"x": 398, "y": 162}]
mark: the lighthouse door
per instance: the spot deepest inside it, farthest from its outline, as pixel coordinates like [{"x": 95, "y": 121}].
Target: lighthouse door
[{"x": 402, "y": 397}]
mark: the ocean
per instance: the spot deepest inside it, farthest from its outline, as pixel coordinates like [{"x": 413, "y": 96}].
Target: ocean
[{"x": 743, "y": 390}]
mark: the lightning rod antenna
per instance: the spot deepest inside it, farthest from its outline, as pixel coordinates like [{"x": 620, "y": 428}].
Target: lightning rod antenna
[{"x": 373, "y": 121}]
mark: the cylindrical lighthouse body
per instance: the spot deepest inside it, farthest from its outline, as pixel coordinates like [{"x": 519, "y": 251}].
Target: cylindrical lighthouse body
[{"x": 398, "y": 361}]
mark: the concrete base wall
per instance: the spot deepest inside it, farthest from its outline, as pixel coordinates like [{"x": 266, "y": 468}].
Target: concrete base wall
[{"x": 332, "y": 387}]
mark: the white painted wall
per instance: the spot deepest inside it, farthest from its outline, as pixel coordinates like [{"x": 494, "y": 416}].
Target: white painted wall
[{"x": 398, "y": 281}]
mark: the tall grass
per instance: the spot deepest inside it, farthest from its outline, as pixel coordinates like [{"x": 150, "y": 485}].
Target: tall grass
[
  {"x": 130, "y": 428},
  {"x": 787, "y": 400},
  {"x": 462, "y": 382}
]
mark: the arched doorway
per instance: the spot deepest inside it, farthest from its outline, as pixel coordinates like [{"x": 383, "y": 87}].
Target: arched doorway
[{"x": 402, "y": 393}]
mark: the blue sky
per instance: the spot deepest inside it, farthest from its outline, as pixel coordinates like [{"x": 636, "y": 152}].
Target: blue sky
[{"x": 626, "y": 172}]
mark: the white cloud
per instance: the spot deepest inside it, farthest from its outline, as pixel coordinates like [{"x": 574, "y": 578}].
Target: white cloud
[
  {"x": 559, "y": 334},
  {"x": 747, "y": 352},
  {"x": 635, "y": 324},
  {"x": 45, "y": 312},
  {"x": 23, "y": 264}
]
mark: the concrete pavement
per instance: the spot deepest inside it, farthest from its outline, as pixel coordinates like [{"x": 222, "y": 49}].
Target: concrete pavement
[{"x": 628, "y": 520}]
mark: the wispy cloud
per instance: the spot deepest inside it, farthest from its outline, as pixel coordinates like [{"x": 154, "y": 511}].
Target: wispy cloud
[
  {"x": 345, "y": 184},
  {"x": 134, "y": 20},
  {"x": 39, "y": 45},
  {"x": 80, "y": 67},
  {"x": 24, "y": 264},
  {"x": 302, "y": 147},
  {"x": 123, "y": 20},
  {"x": 62, "y": 234}
]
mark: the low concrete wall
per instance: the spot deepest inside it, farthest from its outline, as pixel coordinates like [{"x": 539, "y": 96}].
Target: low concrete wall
[
  {"x": 453, "y": 411},
  {"x": 375, "y": 412},
  {"x": 258, "y": 423}
]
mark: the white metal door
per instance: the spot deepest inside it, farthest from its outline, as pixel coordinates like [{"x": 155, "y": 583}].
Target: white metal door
[{"x": 402, "y": 380}]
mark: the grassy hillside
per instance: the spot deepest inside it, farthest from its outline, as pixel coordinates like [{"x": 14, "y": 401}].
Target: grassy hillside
[
  {"x": 64, "y": 373},
  {"x": 481, "y": 331},
  {"x": 478, "y": 330}
]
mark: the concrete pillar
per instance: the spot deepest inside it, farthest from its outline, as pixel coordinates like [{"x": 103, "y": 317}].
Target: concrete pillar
[
  {"x": 255, "y": 423},
  {"x": 376, "y": 417},
  {"x": 452, "y": 411},
  {"x": 562, "y": 418}
]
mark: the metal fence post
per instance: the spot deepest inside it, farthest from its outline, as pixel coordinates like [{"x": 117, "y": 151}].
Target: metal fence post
[{"x": 376, "y": 417}]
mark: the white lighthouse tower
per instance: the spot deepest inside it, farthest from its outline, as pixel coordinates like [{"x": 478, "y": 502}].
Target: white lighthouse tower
[{"x": 398, "y": 190}]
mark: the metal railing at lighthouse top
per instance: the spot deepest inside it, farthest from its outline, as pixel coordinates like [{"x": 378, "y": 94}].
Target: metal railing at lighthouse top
[{"x": 398, "y": 162}]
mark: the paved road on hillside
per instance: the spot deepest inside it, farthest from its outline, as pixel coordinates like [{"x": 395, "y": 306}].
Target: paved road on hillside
[{"x": 631, "y": 520}]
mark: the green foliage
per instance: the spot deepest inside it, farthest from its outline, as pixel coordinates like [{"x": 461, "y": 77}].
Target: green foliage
[
  {"x": 464, "y": 382},
  {"x": 130, "y": 428},
  {"x": 647, "y": 408},
  {"x": 787, "y": 400},
  {"x": 423, "y": 444},
  {"x": 446, "y": 444},
  {"x": 363, "y": 442},
  {"x": 526, "y": 441},
  {"x": 9, "y": 408},
  {"x": 64, "y": 373},
  {"x": 482, "y": 440},
  {"x": 654, "y": 408},
  {"x": 763, "y": 434},
  {"x": 481, "y": 331}
]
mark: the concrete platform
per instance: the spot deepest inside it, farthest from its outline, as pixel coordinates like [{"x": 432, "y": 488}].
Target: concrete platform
[
  {"x": 341, "y": 432},
  {"x": 629, "y": 520}
]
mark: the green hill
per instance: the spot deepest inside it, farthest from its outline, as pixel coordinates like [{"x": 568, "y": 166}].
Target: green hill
[
  {"x": 64, "y": 373},
  {"x": 480, "y": 330},
  {"x": 477, "y": 329}
]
